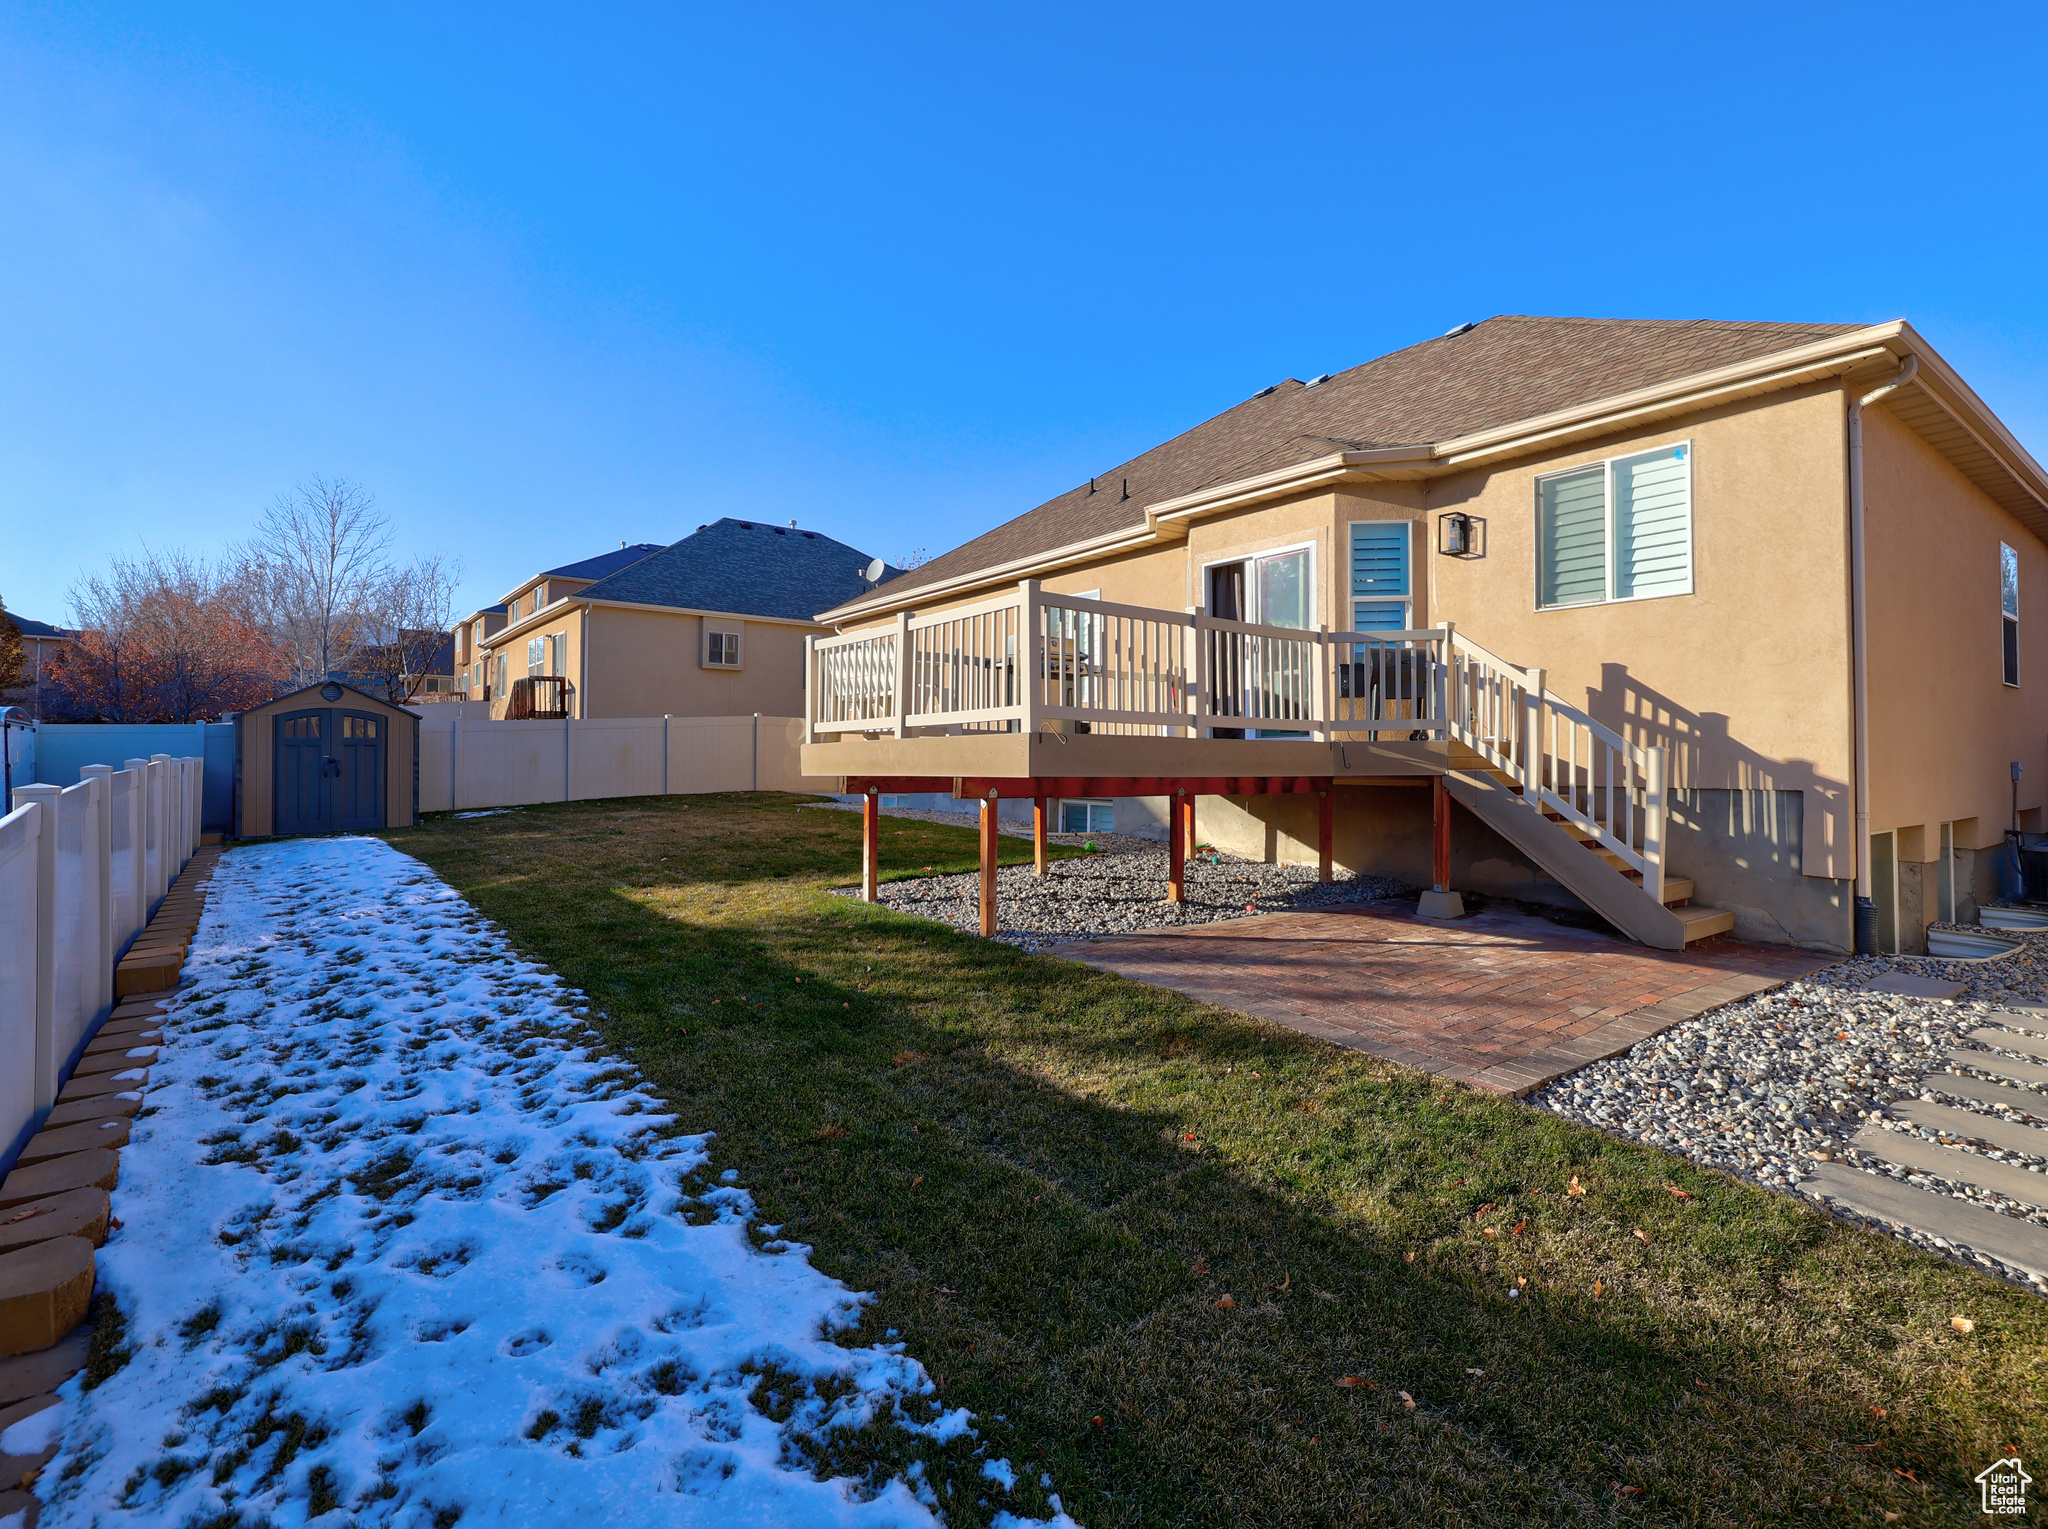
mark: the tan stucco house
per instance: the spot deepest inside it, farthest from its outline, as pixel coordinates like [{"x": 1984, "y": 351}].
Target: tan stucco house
[
  {"x": 1707, "y": 626},
  {"x": 710, "y": 626}
]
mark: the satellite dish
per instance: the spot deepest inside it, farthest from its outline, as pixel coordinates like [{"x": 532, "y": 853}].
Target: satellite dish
[{"x": 874, "y": 571}]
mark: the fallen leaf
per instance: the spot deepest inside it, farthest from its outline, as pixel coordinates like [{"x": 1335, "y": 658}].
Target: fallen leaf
[
  {"x": 1190, "y": 1136},
  {"x": 1676, "y": 1192},
  {"x": 1475, "y": 1372},
  {"x": 831, "y": 1131},
  {"x": 1575, "y": 1187},
  {"x": 1907, "y": 1474},
  {"x": 1356, "y": 1380},
  {"x": 1200, "y": 1267},
  {"x": 114, "y": 1223},
  {"x": 1596, "y": 1290},
  {"x": 1521, "y": 1281},
  {"x": 1877, "y": 1412},
  {"x": 1516, "y": 1229},
  {"x": 1284, "y": 1283},
  {"x": 1487, "y": 1231},
  {"x": 1407, "y": 1401},
  {"x": 1891, "y": 1517},
  {"x": 1622, "y": 1491},
  {"x": 1863, "y": 1446},
  {"x": 917, "y": 1181},
  {"x": 1841, "y": 1035},
  {"x": 1482, "y": 1210},
  {"x": 23, "y": 1215},
  {"x": 1456, "y": 1183},
  {"x": 1227, "y": 1302},
  {"x": 846, "y": 1006},
  {"x": 1962, "y": 1324},
  {"x": 1641, "y": 1235},
  {"x": 1408, "y": 1257},
  {"x": 1097, "y": 1421}
]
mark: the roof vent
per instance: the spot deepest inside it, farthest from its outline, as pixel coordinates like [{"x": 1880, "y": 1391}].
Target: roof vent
[
  {"x": 1262, "y": 392},
  {"x": 744, "y": 525},
  {"x": 1316, "y": 382},
  {"x": 1459, "y": 330},
  {"x": 778, "y": 530},
  {"x": 810, "y": 536}
]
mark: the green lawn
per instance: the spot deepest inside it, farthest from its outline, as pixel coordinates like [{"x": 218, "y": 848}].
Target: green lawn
[{"x": 1195, "y": 1268}]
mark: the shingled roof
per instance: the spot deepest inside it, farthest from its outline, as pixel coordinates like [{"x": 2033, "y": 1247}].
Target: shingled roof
[
  {"x": 743, "y": 568},
  {"x": 1509, "y": 368}
]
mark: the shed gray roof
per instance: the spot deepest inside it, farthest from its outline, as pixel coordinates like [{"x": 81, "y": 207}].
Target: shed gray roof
[{"x": 745, "y": 568}]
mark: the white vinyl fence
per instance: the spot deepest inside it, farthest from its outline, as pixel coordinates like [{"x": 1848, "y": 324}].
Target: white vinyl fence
[
  {"x": 82, "y": 868},
  {"x": 469, "y": 763}
]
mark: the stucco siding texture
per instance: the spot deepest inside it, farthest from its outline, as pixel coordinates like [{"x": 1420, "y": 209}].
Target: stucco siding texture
[
  {"x": 648, "y": 664},
  {"x": 1508, "y": 368},
  {"x": 1945, "y": 729}
]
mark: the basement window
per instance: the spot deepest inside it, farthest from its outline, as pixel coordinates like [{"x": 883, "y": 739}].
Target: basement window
[
  {"x": 1087, "y": 817},
  {"x": 2009, "y": 610}
]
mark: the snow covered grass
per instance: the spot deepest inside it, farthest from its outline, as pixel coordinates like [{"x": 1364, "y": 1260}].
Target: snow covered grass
[
  {"x": 402, "y": 1244},
  {"x": 1051, "y": 1178}
]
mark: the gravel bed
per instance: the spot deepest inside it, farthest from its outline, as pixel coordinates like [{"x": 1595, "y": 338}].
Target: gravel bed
[
  {"x": 1768, "y": 1086},
  {"x": 1121, "y": 889}
]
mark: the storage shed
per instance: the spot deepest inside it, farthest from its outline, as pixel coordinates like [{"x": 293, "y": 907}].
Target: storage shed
[{"x": 329, "y": 759}]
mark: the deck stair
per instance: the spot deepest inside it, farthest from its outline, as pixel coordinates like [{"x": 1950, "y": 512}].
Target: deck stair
[{"x": 1586, "y": 805}]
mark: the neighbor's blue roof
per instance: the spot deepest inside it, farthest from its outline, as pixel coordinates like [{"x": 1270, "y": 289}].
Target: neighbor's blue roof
[
  {"x": 604, "y": 563},
  {"x": 30, "y": 628},
  {"x": 745, "y": 568}
]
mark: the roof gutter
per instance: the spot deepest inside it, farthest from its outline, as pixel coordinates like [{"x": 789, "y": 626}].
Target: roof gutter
[{"x": 1866, "y": 906}]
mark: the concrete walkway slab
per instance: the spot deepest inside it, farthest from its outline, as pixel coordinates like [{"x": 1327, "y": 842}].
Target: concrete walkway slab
[
  {"x": 2008, "y": 1239},
  {"x": 1501, "y": 1000}
]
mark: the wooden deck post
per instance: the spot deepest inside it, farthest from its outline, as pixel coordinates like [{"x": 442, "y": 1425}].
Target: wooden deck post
[
  {"x": 1191, "y": 827},
  {"x": 1326, "y": 833},
  {"x": 1177, "y": 847},
  {"x": 1440, "y": 834},
  {"x": 1038, "y": 860},
  {"x": 988, "y": 864},
  {"x": 870, "y": 845}
]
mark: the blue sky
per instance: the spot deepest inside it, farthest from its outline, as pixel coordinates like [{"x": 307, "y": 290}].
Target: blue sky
[{"x": 547, "y": 279}]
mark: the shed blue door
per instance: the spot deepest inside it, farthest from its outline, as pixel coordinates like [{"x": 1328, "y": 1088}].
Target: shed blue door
[
  {"x": 358, "y": 781},
  {"x": 330, "y": 771},
  {"x": 301, "y": 806}
]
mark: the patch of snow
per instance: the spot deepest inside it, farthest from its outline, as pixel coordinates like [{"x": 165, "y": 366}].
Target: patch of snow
[
  {"x": 490, "y": 812},
  {"x": 399, "y": 1239},
  {"x": 1001, "y": 1472},
  {"x": 34, "y": 1434}
]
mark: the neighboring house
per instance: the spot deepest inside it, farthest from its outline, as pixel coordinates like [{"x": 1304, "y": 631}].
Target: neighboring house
[
  {"x": 476, "y": 664},
  {"x": 1599, "y": 578},
  {"x": 390, "y": 671},
  {"x": 41, "y": 643},
  {"x": 713, "y": 625}
]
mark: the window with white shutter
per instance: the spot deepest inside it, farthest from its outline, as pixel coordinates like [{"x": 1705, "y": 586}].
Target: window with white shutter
[
  {"x": 1615, "y": 530},
  {"x": 1653, "y": 524},
  {"x": 1380, "y": 589}
]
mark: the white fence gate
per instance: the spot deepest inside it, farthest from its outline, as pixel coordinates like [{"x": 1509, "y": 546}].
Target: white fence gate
[{"x": 81, "y": 869}]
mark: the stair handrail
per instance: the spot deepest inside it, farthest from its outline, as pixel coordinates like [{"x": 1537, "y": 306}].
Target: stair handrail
[{"x": 1522, "y": 743}]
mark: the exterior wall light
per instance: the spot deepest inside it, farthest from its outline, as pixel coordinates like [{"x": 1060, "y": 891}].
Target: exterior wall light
[{"x": 1458, "y": 535}]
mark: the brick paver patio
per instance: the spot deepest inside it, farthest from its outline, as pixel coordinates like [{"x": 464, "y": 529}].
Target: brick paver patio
[{"x": 1501, "y": 1000}]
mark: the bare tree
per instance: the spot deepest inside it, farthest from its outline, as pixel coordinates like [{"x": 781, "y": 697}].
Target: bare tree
[
  {"x": 407, "y": 626},
  {"x": 13, "y": 655},
  {"x": 165, "y": 637},
  {"x": 315, "y": 571}
]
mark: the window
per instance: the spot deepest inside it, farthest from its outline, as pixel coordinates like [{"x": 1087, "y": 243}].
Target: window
[
  {"x": 2009, "y": 609},
  {"x": 1273, "y": 589},
  {"x": 536, "y": 656},
  {"x": 358, "y": 727},
  {"x": 1087, "y": 817},
  {"x": 1379, "y": 575},
  {"x": 558, "y": 653},
  {"x": 501, "y": 673},
  {"x": 721, "y": 648},
  {"x": 1617, "y": 530}
]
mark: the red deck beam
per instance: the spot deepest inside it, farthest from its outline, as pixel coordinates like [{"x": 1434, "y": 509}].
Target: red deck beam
[{"x": 870, "y": 845}]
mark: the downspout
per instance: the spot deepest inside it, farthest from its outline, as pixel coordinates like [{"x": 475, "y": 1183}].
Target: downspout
[{"x": 1866, "y": 906}]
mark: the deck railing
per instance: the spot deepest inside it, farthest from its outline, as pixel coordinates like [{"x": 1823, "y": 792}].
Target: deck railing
[{"x": 1029, "y": 660}]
